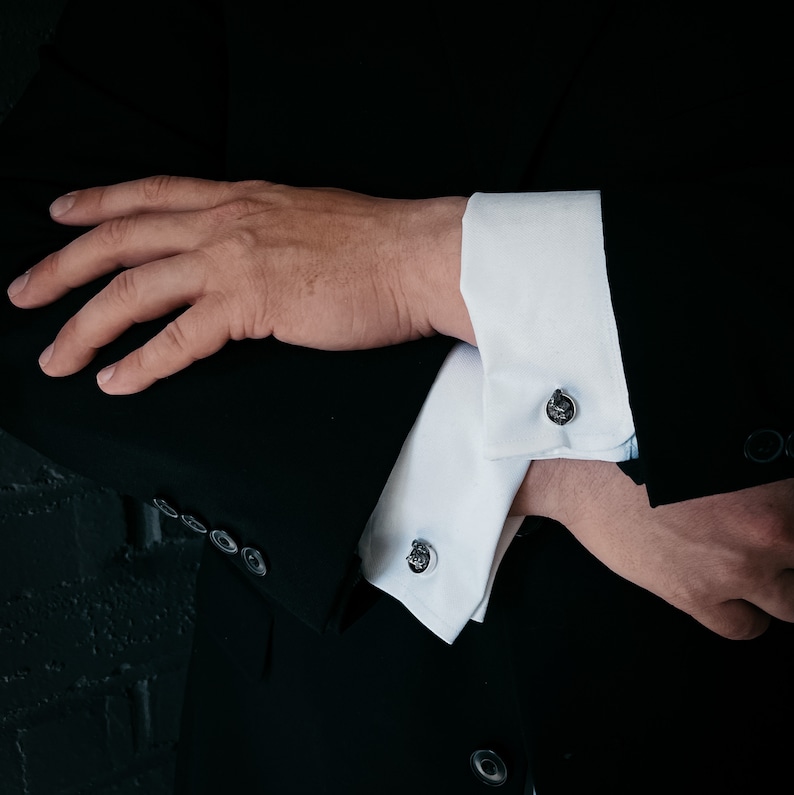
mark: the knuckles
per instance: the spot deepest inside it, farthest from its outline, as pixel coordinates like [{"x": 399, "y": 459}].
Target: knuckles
[
  {"x": 158, "y": 190},
  {"x": 239, "y": 245},
  {"x": 113, "y": 233},
  {"x": 174, "y": 334},
  {"x": 771, "y": 528},
  {"x": 49, "y": 267},
  {"x": 233, "y": 210},
  {"x": 124, "y": 290},
  {"x": 246, "y": 186}
]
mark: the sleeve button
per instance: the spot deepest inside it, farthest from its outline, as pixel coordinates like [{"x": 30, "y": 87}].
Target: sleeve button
[
  {"x": 254, "y": 561},
  {"x": 165, "y": 507},
  {"x": 223, "y": 541},
  {"x": 193, "y": 523},
  {"x": 489, "y": 767},
  {"x": 763, "y": 446}
]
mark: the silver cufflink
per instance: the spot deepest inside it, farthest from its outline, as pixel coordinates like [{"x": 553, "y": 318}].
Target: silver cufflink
[
  {"x": 560, "y": 409},
  {"x": 422, "y": 558}
]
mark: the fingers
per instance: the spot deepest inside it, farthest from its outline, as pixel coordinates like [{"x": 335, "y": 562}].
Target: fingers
[
  {"x": 743, "y": 619},
  {"x": 157, "y": 227},
  {"x": 134, "y": 296},
  {"x": 735, "y": 619},
  {"x": 777, "y": 597},
  {"x": 135, "y": 222},
  {"x": 194, "y": 335},
  {"x": 153, "y": 194},
  {"x": 125, "y": 241}
]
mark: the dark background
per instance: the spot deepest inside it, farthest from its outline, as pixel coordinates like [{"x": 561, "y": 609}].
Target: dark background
[{"x": 95, "y": 592}]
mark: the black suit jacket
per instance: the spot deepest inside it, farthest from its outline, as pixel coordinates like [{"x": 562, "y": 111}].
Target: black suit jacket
[{"x": 674, "y": 115}]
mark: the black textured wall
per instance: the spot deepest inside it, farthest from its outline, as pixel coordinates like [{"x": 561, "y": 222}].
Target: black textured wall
[{"x": 95, "y": 593}]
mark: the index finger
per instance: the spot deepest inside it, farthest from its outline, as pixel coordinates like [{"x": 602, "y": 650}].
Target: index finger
[
  {"x": 92, "y": 206},
  {"x": 121, "y": 242}
]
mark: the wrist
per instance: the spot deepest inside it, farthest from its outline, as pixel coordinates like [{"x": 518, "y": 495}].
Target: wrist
[
  {"x": 557, "y": 487},
  {"x": 434, "y": 266}
]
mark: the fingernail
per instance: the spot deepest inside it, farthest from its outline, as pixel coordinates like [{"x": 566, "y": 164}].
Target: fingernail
[
  {"x": 103, "y": 376},
  {"x": 18, "y": 285},
  {"x": 62, "y": 205},
  {"x": 46, "y": 355}
]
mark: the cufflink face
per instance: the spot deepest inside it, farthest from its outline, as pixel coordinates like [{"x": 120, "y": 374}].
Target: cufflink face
[
  {"x": 422, "y": 558},
  {"x": 560, "y": 409}
]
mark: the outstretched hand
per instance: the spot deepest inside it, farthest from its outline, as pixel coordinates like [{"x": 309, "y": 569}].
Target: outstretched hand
[
  {"x": 323, "y": 268},
  {"x": 726, "y": 559}
]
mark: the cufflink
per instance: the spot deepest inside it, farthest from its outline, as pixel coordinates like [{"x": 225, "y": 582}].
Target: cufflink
[
  {"x": 422, "y": 558},
  {"x": 560, "y": 409}
]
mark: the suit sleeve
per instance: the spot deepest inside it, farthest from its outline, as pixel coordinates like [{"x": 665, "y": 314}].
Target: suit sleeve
[{"x": 679, "y": 117}]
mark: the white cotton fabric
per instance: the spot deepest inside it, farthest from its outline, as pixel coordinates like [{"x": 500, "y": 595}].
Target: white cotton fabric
[
  {"x": 443, "y": 491},
  {"x": 533, "y": 275}
]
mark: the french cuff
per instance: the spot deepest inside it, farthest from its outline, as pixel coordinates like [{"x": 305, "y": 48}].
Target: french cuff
[
  {"x": 533, "y": 277},
  {"x": 438, "y": 532}
]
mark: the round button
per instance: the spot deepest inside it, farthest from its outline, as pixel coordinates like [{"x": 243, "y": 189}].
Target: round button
[
  {"x": 162, "y": 505},
  {"x": 560, "y": 409},
  {"x": 422, "y": 559},
  {"x": 193, "y": 523},
  {"x": 790, "y": 445},
  {"x": 223, "y": 541},
  {"x": 254, "y": 561},
  {"x": 489, "y": 767},
  {"x": 763, "y": 446}
]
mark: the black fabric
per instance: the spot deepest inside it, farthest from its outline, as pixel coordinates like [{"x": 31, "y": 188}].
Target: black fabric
[
  {"x": 594, "y": 683},
  {"x": 322, "y": 430},
  {"x": 678, "y": 117},
  {"x": 693, "y": 189},
  {"x": 267, "y": 710},
  {"x": 675, "y": 115},
  {"x": 621, "y": 693}
]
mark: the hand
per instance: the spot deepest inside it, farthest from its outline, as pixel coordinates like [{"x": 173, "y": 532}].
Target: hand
[
  {"x": 726, "y": 559},
  {"x": 322, "y": 268}
]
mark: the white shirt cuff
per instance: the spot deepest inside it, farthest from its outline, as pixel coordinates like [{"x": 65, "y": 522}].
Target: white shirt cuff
[
  {"x": 533, "y": 276},
  {"x": 534, "y": 280},
  {"x": 443, "y": 492}
]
